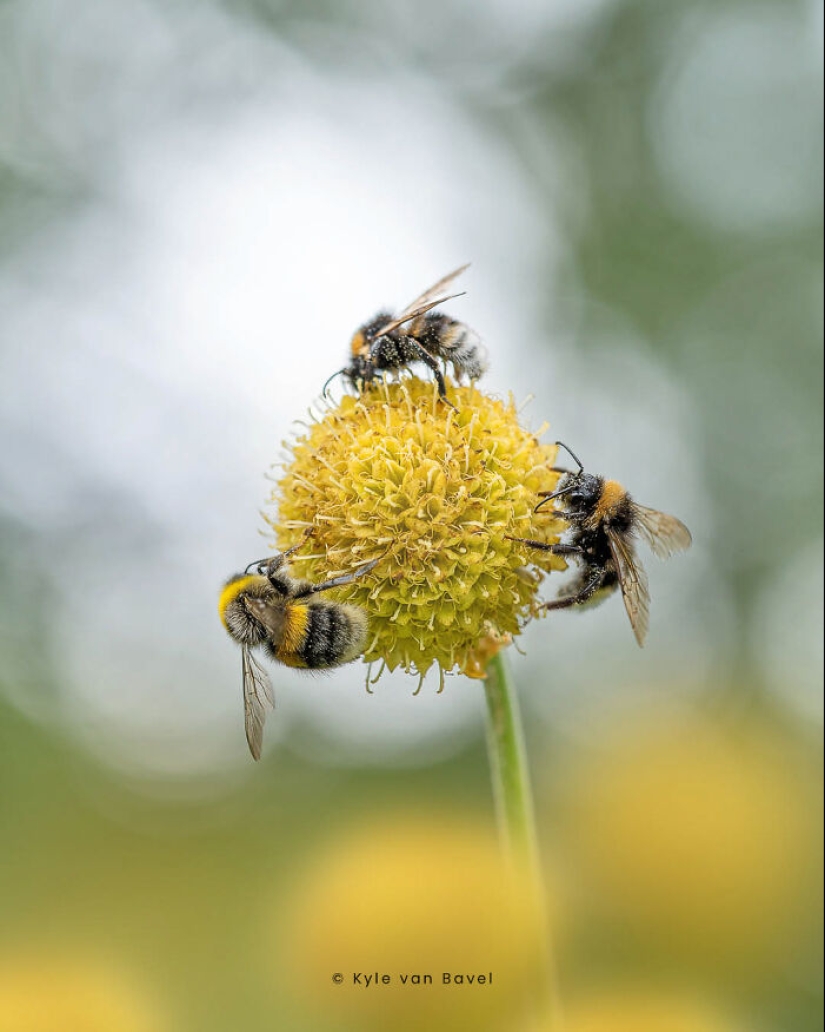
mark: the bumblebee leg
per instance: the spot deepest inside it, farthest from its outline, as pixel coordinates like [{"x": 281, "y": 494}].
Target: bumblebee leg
[
  {"x": 274, "y": 562},
  {"x": 562, "y": 549},
  {"x": 336, "y": 582},
  {"x": 556, "y": 549},
  {"x": 580, "y": 596},
  {"x": 420, "y": 353}
]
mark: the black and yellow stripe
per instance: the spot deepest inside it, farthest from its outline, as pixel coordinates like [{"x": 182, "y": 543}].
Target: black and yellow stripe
[{"x": 321, "y": 634}]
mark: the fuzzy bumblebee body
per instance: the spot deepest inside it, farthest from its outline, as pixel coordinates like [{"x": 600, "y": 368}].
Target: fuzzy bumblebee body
[
  {"x": 598, "y": 576},
  {"x": 389, "y": 343},
  {"x": 311, "y": 633},
  {"x": 271, "y": 610},
  {"x": 605, "y": 522}
]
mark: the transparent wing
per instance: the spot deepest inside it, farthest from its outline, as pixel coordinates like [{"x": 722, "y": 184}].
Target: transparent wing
[
  {"x": 258, "y": 699},
  {"x": 633, "y": 582},
  {"x": 420, "y": 303},
  {"x": 271, "y": 617},
  {"x": 664, "y": 534},
  {"x": 406, "y": 317}
]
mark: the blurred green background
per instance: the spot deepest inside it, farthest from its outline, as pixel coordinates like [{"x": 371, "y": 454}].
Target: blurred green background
[{"x": 198, "y": 203}]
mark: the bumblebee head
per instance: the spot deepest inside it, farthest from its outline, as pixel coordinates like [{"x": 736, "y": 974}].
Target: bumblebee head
[
  {"x": 234, "y": 612},
  {"x": 361, "y": 370},
  {"x": 581, "y": 491}
]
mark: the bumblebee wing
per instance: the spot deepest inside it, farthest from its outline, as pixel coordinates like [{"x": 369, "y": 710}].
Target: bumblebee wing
[
  {"x": 664, "y": 534},
  {"x": 408, "y": 316},
  {"x": 633, "y": 582},
  {"x": 437, "y": 288},
  {"x": 258, "y": 698},
  {"x": 270, "y": 616}
]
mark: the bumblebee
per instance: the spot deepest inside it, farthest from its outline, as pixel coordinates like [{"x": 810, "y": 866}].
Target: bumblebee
[
  {"x": 387, "y": 342},
  {"x": 605, "y": 522},
  {"x": 268, "y": 608}
]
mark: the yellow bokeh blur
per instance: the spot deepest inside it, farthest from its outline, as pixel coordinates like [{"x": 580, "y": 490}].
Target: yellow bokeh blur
[
  {"x": 646, "y": 1011},
  {"x": 703, "y": 843},
  {"x": 413, "y": 896},
  {"x": 62, "y": 994}
]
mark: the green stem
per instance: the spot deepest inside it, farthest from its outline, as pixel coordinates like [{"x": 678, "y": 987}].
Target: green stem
[
  {"x": 516, "y": 816},
  {"x": 508, "y": 760}
]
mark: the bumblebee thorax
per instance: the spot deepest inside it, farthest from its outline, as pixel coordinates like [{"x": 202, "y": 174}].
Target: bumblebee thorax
[{"x": 613, "y": 506}]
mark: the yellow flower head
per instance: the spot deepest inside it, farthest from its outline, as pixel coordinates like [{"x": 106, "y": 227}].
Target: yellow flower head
[{"x": 434, "y": 494}]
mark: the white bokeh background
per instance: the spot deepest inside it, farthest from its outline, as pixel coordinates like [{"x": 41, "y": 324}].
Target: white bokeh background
[{"x": 235, "y": 207}]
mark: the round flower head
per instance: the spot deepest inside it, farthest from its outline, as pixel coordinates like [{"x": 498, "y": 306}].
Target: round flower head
[{"x": 434, "y": 493}]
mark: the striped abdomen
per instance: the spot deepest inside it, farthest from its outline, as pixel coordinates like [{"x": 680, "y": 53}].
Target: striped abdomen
[{"x": 325, "y": 634}]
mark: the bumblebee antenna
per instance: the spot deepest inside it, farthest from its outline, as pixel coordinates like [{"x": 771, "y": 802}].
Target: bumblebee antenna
[
  {"x": 329, "y": 381},
  {"x": 275, "y": 561},
  {"x": 549, "y": 497},
  {"x": 573, "y": 456}
]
